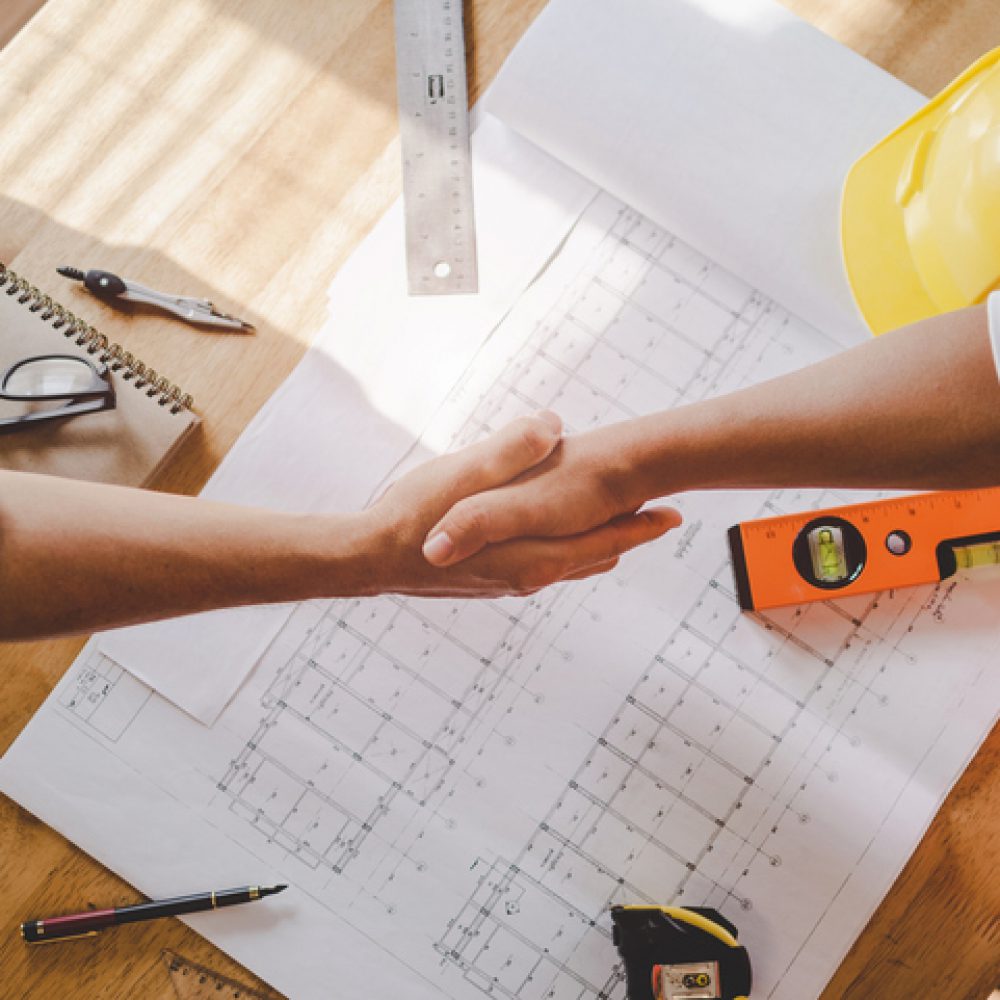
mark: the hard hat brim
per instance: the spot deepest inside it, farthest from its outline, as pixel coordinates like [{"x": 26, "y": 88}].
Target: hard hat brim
[{"x": 884, "y": 280}]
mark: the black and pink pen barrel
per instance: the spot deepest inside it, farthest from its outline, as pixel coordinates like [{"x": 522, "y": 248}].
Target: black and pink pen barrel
[
  {"x": 74, "y": 925},
  {"x": 79, "y": 924}
]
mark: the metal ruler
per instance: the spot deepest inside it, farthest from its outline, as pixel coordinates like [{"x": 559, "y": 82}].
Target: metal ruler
[
  {"x": 434, "y": 134},
  {"x": 195, "y": 982}
]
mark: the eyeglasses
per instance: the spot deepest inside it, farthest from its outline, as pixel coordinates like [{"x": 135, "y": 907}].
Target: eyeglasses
[{"x": 84, "y": 385}]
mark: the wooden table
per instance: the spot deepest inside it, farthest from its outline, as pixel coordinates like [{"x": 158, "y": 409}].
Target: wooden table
[{"x": 241, "y": 149}]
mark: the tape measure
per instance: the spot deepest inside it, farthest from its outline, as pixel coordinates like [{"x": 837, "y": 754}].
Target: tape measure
[
  {"x": 863, "y": 548},
  {"x": 680, "y": 953},
  {"x": 434, "y": 135},
  {"x": 194, "y": 982}
]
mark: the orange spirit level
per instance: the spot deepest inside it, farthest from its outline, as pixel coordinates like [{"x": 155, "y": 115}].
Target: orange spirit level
[{"x": 864, "y": 547}]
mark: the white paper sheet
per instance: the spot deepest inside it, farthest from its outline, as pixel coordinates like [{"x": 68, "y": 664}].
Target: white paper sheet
[
  {"x": 457, "y": 791},
  {"x": 732, "y": 123}
]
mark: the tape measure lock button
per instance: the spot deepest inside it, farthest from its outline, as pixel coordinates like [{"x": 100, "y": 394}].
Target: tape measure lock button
[{"x": 694, "y": 981}]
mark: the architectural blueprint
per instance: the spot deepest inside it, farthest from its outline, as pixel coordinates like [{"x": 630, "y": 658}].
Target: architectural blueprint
[{"x": 458, "y": 791}]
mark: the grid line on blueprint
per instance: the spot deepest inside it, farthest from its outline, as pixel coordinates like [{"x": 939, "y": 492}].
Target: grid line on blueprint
[
  {"x": 613, "y": 346},
  {"x": 386, "y": 730},
  {"x": 104, "y": 697}
]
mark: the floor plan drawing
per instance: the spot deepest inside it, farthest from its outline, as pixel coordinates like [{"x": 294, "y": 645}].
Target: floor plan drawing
[
  {"x": 390, "y": 723},
  {"x": 477, "y": 782},
  {"x": 704, "y": 772}
]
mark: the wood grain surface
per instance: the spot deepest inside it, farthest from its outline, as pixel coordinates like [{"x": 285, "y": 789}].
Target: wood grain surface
[
  {"x": 240, "y": 149},
  {"x": 14, "y": 15}
]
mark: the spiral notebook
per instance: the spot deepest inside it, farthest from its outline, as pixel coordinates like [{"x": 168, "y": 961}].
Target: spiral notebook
[{"x": 124, "y": 445}]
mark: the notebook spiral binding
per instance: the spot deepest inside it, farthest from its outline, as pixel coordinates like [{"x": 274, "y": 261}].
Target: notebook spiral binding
[{"x": 123, "y": 362}]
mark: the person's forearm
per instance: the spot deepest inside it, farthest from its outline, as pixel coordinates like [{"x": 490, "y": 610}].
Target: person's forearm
[
  {"x": 915, "y": 409},
  {"x": 918, "y": 408},
  {"x": 79, "y": 556}
]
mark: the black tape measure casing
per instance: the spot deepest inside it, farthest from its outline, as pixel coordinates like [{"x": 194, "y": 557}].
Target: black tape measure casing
[{"x": 653, "y": 938}]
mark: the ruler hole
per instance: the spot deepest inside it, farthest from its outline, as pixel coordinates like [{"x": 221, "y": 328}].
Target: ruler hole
[{"x": 442, "y": 269}]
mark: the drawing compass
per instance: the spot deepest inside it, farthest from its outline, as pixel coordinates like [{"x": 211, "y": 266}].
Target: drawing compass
[
  {"x": 680, "y": 953},
  {"x": 111, "y": 288}
]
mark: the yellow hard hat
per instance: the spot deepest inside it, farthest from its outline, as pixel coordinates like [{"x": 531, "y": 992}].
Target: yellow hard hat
[{"x": 920, "y": 214}]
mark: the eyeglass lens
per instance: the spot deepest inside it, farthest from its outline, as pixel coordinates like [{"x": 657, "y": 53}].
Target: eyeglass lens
[{"x": 45, "y": 377}]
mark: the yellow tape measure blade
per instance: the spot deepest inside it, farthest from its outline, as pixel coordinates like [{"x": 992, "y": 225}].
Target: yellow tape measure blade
[{"x": 973, "y": 556}]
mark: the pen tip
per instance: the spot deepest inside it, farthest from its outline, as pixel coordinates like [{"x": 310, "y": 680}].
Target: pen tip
[
  {"x": 271, "y": 890},
  {"x": 71, "y": 272}
]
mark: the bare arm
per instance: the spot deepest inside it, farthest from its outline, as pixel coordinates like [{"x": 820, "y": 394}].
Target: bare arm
[
  {"x": 916, "y": 408},
  {"x": 79, "y": 556}
]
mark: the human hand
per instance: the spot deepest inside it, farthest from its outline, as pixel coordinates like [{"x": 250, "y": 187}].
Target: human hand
[
  {"x": 585, "y": 482},
  {"x": 403, "y": 516}
]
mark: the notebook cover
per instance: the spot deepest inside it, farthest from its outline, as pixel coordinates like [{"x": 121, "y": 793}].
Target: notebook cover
[{"x": 125, "y": 445}]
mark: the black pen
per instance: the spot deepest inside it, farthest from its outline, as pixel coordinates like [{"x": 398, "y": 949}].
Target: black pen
[{"x": 89, "y": 923}]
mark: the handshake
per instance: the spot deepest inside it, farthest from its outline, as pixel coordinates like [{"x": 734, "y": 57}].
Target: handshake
[
  {"x": 511, "y": 514},
  {"x": 918, "y": 408},
  {"x": 520, "y": 510}
]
